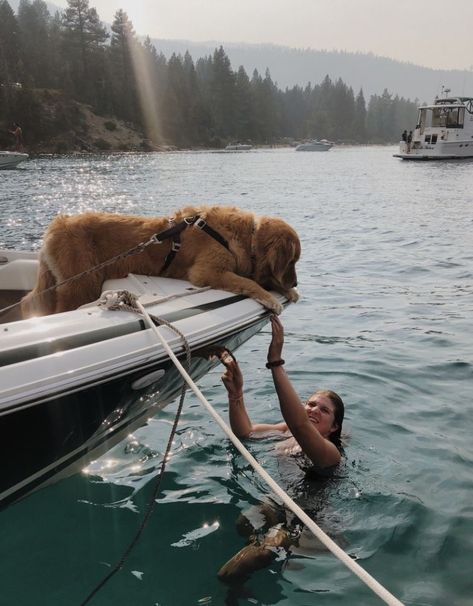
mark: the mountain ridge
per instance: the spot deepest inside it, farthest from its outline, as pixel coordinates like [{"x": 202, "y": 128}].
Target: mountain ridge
[{"x": 298, "y": 66}]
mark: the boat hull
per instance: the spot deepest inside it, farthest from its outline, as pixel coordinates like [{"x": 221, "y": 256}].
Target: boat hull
[
  {"x": 10, "y": 160},
  {"x": 58, "y": 436},
  {"x": 419, "y": 157},
  {"x": 308, "y": 147},
  {"x": 444, "y": 150},
  {"x": 242, "y": 147}
]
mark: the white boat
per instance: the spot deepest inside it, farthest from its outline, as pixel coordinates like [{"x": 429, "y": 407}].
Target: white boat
[
  {"x": 73, "y": 384},
  {"x": 444, "y": 131},
  {"x": 238, "y": 147},
  {"x": 315, "y": 145},
  {"x": 10, "y": 159}
]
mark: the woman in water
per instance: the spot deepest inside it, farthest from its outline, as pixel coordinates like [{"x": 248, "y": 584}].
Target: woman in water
[{"x": 313, "y": 428}]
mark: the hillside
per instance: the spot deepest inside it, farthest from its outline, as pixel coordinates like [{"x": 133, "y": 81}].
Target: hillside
[{"x": 53, "y": 123}]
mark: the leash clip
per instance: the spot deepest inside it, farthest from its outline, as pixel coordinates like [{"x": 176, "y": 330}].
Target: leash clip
[{"x": 189, "y": 220}]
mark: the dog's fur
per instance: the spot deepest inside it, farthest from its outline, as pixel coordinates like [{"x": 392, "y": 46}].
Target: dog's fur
[{"x": 73, "y": 244}]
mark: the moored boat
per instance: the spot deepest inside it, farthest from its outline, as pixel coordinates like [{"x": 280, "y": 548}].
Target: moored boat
[
  {"x": 11, "y": 159},
  {"x": 73, "y": 384},
  {"x": 444, "y": 131},
  {"x": 315, "y": 145},
  {"x": 238, "y": 147}
]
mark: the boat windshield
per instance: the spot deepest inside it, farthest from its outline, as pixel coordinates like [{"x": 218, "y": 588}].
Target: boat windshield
[{"x": 443, "y": 117}]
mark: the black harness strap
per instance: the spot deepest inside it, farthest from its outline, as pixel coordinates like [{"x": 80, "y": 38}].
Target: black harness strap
[
  {"x": 170, "y": 232},
  {"x": 202, "y": 224},
  {"x": 174, "y": 232}
]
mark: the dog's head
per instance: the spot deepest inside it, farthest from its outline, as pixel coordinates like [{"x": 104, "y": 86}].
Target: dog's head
[{"x": 277, "y": 250}]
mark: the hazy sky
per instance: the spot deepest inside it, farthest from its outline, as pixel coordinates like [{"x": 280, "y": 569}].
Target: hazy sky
[{"x": 433, "y": 33}]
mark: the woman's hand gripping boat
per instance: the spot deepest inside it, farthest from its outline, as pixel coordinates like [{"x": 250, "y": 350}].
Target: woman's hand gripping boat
[{"x": 74, "y": 384}]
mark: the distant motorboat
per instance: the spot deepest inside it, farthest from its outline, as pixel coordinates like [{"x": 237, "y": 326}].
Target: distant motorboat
[
  {"x": 315, "y": 145},
  {"x": 239, "y": 147},
  {"x": 444, "y": 131},
  {"x": 10, "y": 159}
]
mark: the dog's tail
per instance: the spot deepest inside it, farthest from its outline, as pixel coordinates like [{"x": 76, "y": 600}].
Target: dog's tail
[{"x": 38, "y": 302}]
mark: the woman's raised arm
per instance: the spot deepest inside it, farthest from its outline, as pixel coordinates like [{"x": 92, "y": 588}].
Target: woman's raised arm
[{"x": 319, "y": 450}]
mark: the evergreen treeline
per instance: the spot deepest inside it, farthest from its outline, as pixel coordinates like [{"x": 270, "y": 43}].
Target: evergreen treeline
[{"x": 174, "y": 100}]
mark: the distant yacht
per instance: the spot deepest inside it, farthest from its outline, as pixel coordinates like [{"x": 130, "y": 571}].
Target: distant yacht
[
  {"x": 239, "y": 147},
  {"x": 315, "y": 145},
  {"x": 444, "y": 131}
]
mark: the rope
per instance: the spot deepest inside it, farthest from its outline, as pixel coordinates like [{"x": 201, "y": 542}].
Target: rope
[
  {"x": 128, "y": 302},
  {"x": 149, "y": 301},
  {"x": 360, "y": 572}
]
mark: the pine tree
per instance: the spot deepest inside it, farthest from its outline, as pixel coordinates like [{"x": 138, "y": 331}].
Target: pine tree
[
  {"x": 359, "y": 125},
  {"x": 321, "y": 123},
  {"x": 244, "y": 120},
  {"x": 124, "y": 84},
  {"x": 198, "y": 118},
  {"x": 342, "y": 111},
  {"x": 84, "y": 37},
  {"x": 34, "y": 23},
  {"x": 266, "y": 107},
  {"x": 222, "y": 101},
  {"x": 294, "y": 112},
  {"x": 10, "y": 64}
]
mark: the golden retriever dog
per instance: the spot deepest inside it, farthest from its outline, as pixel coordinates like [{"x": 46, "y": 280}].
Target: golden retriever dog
[{"x": 259, "y": 254}]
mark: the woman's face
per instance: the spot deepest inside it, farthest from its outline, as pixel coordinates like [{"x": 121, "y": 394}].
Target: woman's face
[{"x": 321, "y": 413}]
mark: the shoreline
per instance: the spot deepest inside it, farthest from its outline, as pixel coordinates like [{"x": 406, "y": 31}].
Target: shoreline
[{"x": 45, "y": 152}]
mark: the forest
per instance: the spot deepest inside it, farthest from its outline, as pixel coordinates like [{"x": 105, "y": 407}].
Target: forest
[{"x": 176, "y": 101}]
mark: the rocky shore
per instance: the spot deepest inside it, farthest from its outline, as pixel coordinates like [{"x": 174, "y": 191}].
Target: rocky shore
[{"x": 53, "y": 123}]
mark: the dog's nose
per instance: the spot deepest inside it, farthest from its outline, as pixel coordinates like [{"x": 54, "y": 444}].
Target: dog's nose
[{"x": 294, "y": 284}]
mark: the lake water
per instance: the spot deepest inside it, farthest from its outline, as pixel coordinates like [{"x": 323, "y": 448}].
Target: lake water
[{"x": 385, "y": 316}]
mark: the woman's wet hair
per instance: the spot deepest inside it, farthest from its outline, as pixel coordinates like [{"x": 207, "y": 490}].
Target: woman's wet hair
[{"x": 339, "y": 413}]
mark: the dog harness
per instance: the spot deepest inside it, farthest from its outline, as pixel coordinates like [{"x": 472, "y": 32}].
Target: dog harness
[{"x": 175, "y": 230}]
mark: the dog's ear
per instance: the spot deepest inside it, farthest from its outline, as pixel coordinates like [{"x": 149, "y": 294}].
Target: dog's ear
[
  {"x": 280, "y": 255},
  {"x": 281, "y": 261},
  {"x": 278, "y": 249}
]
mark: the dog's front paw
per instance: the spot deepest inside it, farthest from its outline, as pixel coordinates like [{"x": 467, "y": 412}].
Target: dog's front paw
[
  {"x": 292, "y": 295},
  {"x": 272, "y": 304}
]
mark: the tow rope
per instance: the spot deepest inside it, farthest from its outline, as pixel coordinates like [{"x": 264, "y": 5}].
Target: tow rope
[{"x": 131, "y": 303}]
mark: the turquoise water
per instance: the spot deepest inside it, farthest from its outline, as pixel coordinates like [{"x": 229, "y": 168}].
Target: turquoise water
[{"x": 386, "y": 282}]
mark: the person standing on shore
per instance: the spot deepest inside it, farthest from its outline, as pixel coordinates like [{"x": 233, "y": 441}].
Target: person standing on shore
[{"x": 18, "y": 134}]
